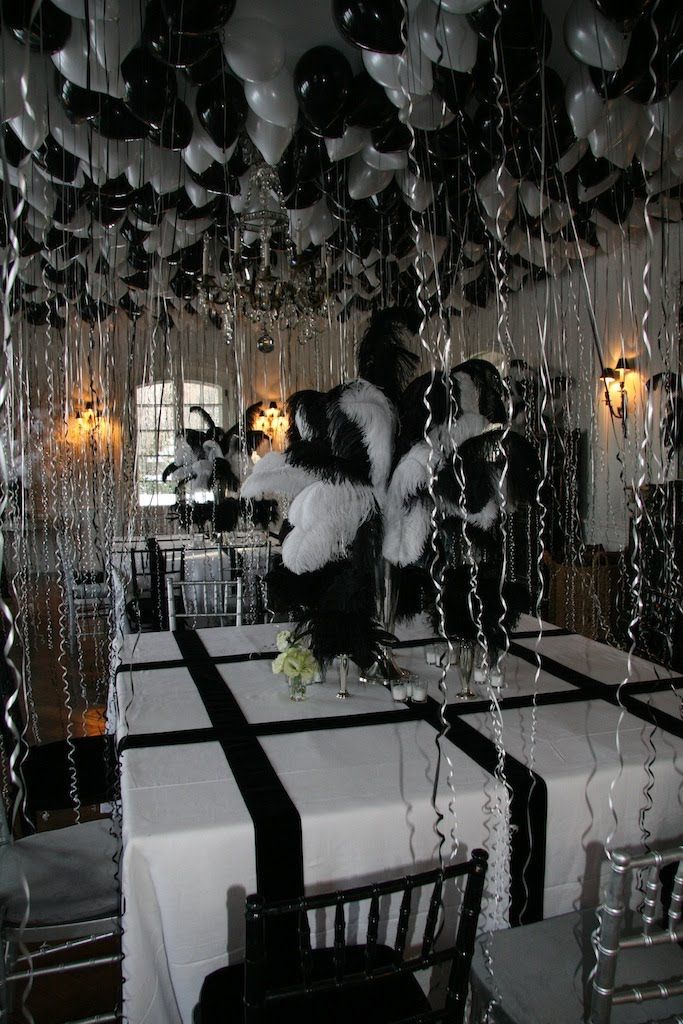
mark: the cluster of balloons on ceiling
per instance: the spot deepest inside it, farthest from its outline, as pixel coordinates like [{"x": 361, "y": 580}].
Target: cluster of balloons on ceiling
[{"x": 454, "y": 161}]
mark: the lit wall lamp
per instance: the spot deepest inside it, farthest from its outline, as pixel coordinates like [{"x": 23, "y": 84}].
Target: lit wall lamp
[
  {"x": 617, "y": 376},
  {"x": 273, "y": 422}
]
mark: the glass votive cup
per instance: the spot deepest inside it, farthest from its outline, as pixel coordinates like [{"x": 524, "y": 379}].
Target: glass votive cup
[
  {"x": 399, "y": 689},
  {"x": 418, "y": 690}
]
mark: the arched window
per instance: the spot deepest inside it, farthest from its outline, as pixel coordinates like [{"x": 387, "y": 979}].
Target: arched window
[{"x": 163, "y": 411}]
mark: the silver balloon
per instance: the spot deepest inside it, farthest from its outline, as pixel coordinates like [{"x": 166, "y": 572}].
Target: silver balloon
[
  {"x": 383, "y": 67},
  {"x": 593, "y": 39},
  {"x": 394, "y": 161},
  {"x": 352, "y": 141}
]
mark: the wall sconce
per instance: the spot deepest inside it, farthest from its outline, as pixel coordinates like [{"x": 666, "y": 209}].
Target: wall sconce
[
  {"x": 87, "y": 422},
  {"x": 273, "y": 423},
  {"x": 617, "y": 376}
]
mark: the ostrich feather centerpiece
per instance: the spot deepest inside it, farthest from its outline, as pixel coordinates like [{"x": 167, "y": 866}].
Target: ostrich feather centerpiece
[{"x": 397, "y": 489}]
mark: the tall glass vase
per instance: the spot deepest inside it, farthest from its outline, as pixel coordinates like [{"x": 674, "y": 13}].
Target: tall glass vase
[{"x": 385, "y": 669}]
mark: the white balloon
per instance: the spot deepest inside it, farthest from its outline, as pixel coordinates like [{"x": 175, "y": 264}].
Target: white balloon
[
  {"x": 271, "y": 140},
  {"x": 13, "y": 59},
  {"x": 585, "y": 106},
  {"x": 32, "y": 132},
  {"x": 398, "y": 97},
  {"x": 556, "y": 217},
  {"x": 534, "y": 201},
  {"x": 197, "y": 195},
  {"x": 322, "y": 224},
  {"x": 498, "y": 194},
  {"x": 667, "y": 115},
  {"x": 352, "y": 141},
  {"x": 114, "y": 39},
  {"x": 418, "y": 192},
  {"x": 195, "y": 156},
  {"x": 593, "y": 39},
  {"x": 35, "y": 221},
  {"x": 570, "y": 159},
  {"x": 383, "y": 67},
  {"x": 253, "y": 48},
  {"x": 366, "y": 181},
  {"x": 415, "y": 71},
  {"x": 77, "y": 61},
  {"x": 395, "y": 161},
  {"x": 300, "y": 219},
  {"x": 428, "y": 113},
  {"x": 274, "y": 100},
  {"x": 447, "y": 39},
  {"x": 619, "y": 134},
  {"x": 461, "y": 6}
]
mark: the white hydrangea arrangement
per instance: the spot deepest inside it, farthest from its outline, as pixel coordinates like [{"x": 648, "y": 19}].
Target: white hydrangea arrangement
[{"x": 294, "y": 659}]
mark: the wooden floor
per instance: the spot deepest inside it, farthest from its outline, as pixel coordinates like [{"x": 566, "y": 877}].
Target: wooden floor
[{"x": 67, "y": 696}]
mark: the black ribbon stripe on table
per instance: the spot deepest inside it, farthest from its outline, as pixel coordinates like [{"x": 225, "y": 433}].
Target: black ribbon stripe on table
[
  {"x": 623, "y": 695},
  {"x": 277, "y": 824}
]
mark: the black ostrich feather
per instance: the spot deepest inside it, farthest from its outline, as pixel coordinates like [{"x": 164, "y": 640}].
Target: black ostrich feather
[
  {"x": 463, "y": 606},
  {"x": 383, "y": 358},
  {"x": 427, "y": 394},
  {"x": 223, "y": 472},
  {"x": 311, "y": 407},
  {"x": 490, "y": 388},
  {"x": 210, "y": 426}
]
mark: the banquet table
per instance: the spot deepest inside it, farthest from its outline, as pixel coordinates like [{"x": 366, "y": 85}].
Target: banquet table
[{"x": 228, "y": 786}]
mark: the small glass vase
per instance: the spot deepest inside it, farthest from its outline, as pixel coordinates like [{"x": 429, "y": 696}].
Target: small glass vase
[{"x": 297, "y": 688}]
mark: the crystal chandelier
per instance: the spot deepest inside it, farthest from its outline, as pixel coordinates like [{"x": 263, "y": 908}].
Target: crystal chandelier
[{"x": 235, "y": 282}]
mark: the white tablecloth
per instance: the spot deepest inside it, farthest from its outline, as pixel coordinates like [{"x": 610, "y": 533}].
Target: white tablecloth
[{"x": 363, "y": 793}]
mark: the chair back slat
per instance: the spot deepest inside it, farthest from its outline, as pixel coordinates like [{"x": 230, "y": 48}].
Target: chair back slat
[
  {"x": 305, "y": 953},
  {"x": 339, "y": 957},
  {"x": 432, "y": 917},
  {"x": 204, "y": 602},
  {"x": 458, "y": 979},
  {"x": 676, "y": 904},
  {"x": 403, "y": 919},
  {"x": 372, "y": 932}
]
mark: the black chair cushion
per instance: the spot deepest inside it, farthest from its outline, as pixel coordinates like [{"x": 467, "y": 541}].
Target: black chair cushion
[{"x": 382, "y": 1001}]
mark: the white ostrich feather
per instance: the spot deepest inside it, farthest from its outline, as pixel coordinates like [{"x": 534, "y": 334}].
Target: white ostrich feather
[
  {"x": 411, "y": 474},
  {"x": 326, "y": 518},
  {"x": 485, "y": 518},
  {"x": 202, "y": 470},
  {"x": 406, "y": 535},
  {"x": 371, "y": 411},
  {"x": 212, "y": 450},
  {"x": 273, "y": 475},
  {"x": 183, "y": 454}
]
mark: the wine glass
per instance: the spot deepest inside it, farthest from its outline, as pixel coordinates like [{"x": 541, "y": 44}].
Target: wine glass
[{"x": 466, "y": 667}]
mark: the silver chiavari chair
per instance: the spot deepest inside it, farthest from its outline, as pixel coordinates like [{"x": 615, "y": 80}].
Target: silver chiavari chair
[
  {"x": 620, "y": 963},
  {"x": 204, "y": 602}
]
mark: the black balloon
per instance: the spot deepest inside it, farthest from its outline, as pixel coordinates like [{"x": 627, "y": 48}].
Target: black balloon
[
  {"x": 183, "y": 286},
  {"x": 150, "y": 85},
  {"x": 370, "y": 24},
  {"x": 130, "y": 308},
  {"x": 79, "y": 104},
  {"x": 222, "y": 109},
  {"x": 540, "y": 98},
  {"x": 322, "y": 79},
  {"x": 57, "y": 161},
  {"x": 368, "y": 105},
  {"x": 197, "y": 18},
  {"x": 176, "y": 49},
  {"x": 304, "y": 194},
  {"x": 175, "y": 128},
  {"x": 46, "y": 32},
  {"x": 115, "y": 121},
  {"x": 304, "y": 159},
  {"x": 616, "y": 202},
  {"x": 391, "y": 136},
  {"x": 624, "y": 13},
  {"x": 13, "y": 148},
  {"x": 217, "y": 178},
  {"x": 453, "y": 86},
  {"x": 207, "y": 67}
]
